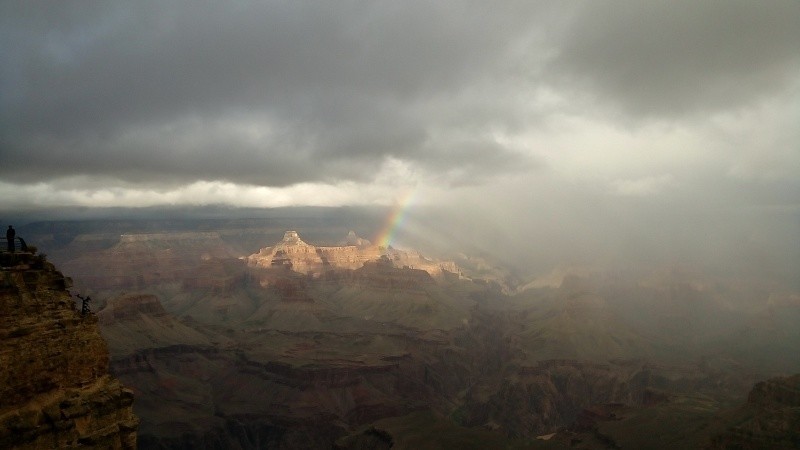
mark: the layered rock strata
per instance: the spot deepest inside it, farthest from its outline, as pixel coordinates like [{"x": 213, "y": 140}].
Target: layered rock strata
[
  {"x": 295, "y": 254},
  {"x": 140, "y": 260},
  {"x": 55, "y": 389}
]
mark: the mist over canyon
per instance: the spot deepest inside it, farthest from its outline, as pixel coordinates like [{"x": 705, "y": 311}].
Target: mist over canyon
[{"x": 297, "y": 332}]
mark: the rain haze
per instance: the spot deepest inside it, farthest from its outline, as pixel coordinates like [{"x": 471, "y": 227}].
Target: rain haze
[{"x": 541, "y": 133}]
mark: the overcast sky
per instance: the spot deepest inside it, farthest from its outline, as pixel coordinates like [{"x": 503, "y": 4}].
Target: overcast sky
[{"x": 547, "y": 115}]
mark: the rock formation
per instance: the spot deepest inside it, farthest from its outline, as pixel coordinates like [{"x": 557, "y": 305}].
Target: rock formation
[
  {"x": 55, "y": 389},
  {"x": 353, "y": 239},
  {"x": 295, "y": 254},
  {"x": 769, "y": 419}
]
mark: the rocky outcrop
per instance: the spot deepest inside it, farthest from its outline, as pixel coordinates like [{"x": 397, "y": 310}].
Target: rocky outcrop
[
  {"x": 769, "y": 419},
  {"x": 353, "y": 239},
  {"x": 381, "y": 275},
  {"x": 295, "y": 254},
  {"x": 778, "y": 392},
  {"x": 416, "y": 260},
  {"x": 55, "y": 390}
]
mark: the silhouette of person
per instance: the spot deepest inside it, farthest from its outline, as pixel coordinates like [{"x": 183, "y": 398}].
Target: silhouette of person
[
  {"x": 85, "y": 306},
  {"x": 10, "y": 234}
]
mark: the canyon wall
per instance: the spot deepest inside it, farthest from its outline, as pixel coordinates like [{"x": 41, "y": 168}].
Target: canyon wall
[{"x": 55, "y": 389}]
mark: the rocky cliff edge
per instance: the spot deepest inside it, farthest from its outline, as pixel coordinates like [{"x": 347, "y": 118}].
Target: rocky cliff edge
[{"x": 55, "y": 389}]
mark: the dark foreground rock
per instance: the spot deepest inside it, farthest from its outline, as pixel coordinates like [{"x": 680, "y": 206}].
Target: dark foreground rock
[{"x": 55, "y": 390}]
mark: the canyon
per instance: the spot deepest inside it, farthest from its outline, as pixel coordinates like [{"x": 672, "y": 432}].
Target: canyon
[{"x": 227, "y": 343}]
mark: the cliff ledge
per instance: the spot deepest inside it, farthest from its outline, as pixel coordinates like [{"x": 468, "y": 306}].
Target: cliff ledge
[{"x": 55, "y": 389}]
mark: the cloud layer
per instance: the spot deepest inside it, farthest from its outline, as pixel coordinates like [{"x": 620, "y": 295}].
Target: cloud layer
[
  {"x": 278, "y": 93},
  {"x": 514, "y": 107},
  {"x": 269, "y": 94}
]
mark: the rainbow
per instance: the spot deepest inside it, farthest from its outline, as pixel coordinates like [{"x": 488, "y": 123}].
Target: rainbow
[{"x": 394, "y": 220}]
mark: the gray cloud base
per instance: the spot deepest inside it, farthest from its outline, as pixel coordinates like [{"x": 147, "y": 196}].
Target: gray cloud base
[
  {"x": 276, "y": 93},
  {"x": 146, "y": 91},
  {"x": 670, "y": 59}
]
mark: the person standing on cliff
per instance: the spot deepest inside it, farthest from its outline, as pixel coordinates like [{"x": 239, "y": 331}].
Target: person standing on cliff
[{"x": 10, "y": 235}]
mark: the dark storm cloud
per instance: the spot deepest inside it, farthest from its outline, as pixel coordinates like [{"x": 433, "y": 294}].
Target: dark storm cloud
[
  {"x": 280, "y": 92},
  {"x": 153, "y": 90},
  {"x": 666, "y": 58}
]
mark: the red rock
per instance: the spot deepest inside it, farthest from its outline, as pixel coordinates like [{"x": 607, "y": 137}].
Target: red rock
[{"x": 55, "y": 389}]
